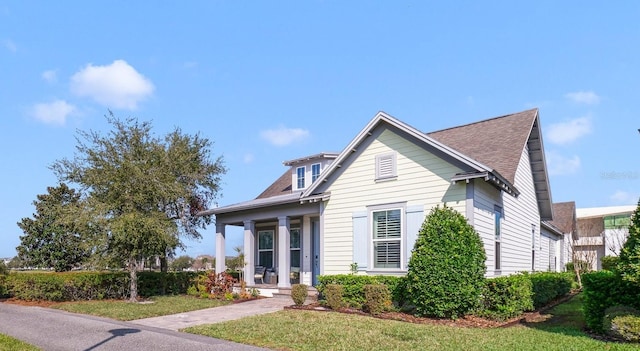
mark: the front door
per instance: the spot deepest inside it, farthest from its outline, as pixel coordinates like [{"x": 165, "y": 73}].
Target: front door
[{"x": 315, "y": 251}]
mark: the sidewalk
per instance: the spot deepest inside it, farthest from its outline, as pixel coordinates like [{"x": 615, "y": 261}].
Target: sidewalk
[{"x": 216, "y": 314}]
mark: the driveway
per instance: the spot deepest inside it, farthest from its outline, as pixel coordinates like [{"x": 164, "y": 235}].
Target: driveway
[{"x": 51, "y": 329}]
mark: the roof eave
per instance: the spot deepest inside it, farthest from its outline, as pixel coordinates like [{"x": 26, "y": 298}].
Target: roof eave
[
  {"x": 253, "y": 204},
  {"x": 382, "y": 117}
]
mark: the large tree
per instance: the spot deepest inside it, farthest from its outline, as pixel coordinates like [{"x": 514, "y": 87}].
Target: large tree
[
  {"x": 53, "y": 238},
  {"x": 148, "y": 190},
  {"x": 629, "y": 264}
]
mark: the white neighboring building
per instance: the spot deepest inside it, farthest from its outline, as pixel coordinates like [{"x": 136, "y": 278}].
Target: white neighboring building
[{"x": 602, "y": 231}]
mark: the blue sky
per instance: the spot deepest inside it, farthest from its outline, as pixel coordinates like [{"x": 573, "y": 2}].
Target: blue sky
[{"x": 273, "y": 81}]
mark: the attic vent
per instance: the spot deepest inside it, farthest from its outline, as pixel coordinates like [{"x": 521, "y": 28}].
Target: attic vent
[{"x": 386, "y": 166}]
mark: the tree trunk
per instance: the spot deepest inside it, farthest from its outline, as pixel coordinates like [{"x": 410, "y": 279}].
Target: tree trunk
[
  {"x": 163, "y": 264},
  {"x": 133, "y": 275}
]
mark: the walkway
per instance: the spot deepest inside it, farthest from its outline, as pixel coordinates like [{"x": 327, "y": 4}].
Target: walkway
[{"x": 217, "y": 314}]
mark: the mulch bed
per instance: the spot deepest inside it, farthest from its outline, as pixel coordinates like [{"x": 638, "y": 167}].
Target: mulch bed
[{"x": 465, "y": 322}]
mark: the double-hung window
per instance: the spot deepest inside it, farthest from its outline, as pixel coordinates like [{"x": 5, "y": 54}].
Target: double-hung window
[
  {"x": 387, "y": 239},
  {"x": 300, "y": 171},
  {"x": 315, "y": 171},
  {"x": 265, "y": 248},
  {"x": 294, "y": 247}
]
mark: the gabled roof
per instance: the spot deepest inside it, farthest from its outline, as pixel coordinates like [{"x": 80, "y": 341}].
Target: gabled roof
[
  {"x": 383, "y": 118},
  {"x": 564, "y": 216},
  {"x": 499, "y": 142},
  {"x": 322, "y": 155},
  {"x": 491, "y": 149}
]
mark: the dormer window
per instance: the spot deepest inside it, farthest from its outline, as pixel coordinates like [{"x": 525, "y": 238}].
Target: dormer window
[
  {"x": 300, "y": 177},
  {"x": 315, "y": 171}
]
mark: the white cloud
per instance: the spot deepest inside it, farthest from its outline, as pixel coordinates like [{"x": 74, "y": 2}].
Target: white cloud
[
  {"x": 117, "y": 85},
  {"x": 284, "y": 136},
  {"x": 55, "y": 112},
  {"x": 10, "y": 45},
  {"x": 50, "y": 76},
  {"x": 583, "y": 97},
  {"x": 248, "y": 158},
  {"x": 560, "y": 165},
  {"x": 623, "y": 198},
  {"x": 569, "y": 131}
]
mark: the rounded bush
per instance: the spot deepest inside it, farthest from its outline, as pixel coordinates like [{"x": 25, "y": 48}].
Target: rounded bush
[
  {"x": 299, "y": 294},
  {"x": 333, "y": 296},
  {"x": 377, "y": 298},
  {"x": 622, "y": 322},
  {"x": 447, "y": 266}
]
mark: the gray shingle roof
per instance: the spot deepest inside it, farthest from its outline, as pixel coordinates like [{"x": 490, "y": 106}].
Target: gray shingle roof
[
  {"x": 564, "y": 216},
  {"x": 497, "y": 142}
]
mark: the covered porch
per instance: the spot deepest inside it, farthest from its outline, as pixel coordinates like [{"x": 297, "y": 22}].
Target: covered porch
[{"x": 281, "y": 235}]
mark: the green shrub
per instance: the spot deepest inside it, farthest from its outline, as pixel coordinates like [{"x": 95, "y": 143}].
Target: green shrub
[
  {"x": 377, "y": 298},
  {"x": 507, "y": 297},
  {"x": 165, "y": 283},
  {"x": 446, "y": 269},
  {"x": 3, "y": 268},
  {"x": 333, "y": 296},
  {"x": 299, "y": 293},
  {"x": 627, "y": 327},
  {"x": 609, "y": 263},
  {"x": 604, "y": 289},
  {"x": 353, "y": 286},
  {"x": 629, "y": 262},
  {"x": 622, "y": 322},
  {"x": 547, "y": 286}
]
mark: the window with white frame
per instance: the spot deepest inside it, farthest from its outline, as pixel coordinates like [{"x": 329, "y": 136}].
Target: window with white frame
[
  {"x": 386, "y": 166},
  {"x": 265, "y": 248},
  {"x": 533, "y": 247},
  {"x": 300, "y": 171},
  {"x": 387, "y": 239},
  {"x": 294, "y": 247},
  {"x": 315, "y": 171},
  {"x": 497, "y": 215}
]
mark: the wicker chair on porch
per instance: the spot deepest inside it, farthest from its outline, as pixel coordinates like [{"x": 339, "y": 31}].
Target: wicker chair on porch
[{"x": 259, "y": 274}]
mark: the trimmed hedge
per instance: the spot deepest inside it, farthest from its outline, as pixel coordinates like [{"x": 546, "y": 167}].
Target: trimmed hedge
[
  {"x": 547, "y": 286},
  {"x": 73, "y": 286},
  {"x": 507, "y": 297},
  {"x": 353, "y": 286},
  {"x": 604, "y": 289},
  {"x": 299, "y": 293},
  {"x": 378, "y": 298},
  {"x": 334, "y": 296}
]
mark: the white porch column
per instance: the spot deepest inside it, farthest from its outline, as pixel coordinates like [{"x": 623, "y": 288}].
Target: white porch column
[
  {"x": 249, "y": 252},
  {"x": 220, "y": 249},
  {"x": 284, "y": 253}
]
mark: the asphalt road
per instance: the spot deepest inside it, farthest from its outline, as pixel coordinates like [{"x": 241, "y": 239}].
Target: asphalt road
[{"x": 53, "y": 330}]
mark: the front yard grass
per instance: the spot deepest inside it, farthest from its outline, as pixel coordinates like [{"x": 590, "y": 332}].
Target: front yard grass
[
  {"x": 126, "y": 311},
  {"x": 309, "y": 330},
  {"x": 8, "y": 343}
]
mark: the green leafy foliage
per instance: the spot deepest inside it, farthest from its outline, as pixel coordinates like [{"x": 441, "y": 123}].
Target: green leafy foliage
[
  {"x": 299, "y": 293},
  {"x": 353, "y": 286},
  {"x": 55, "y": 237},
  {"x": 547, "y": 286},
  {"x": 622, "y": 322},
  {"x": 610, "y": 263},
  {"x": 604, "y": 289},
  {"x": 4, "y": 270},
  {"x": 333, "y": 296},
  {"x": 447, "y": 266},
  {"x": 377, "y": 298},
  {"x": 629, "y": 264},
  {"x": 507, "y": 297},
  {"x": 181, "y": 263},
  {"x": 78, "y": 286},
  {"x": 144, "y": 190}
]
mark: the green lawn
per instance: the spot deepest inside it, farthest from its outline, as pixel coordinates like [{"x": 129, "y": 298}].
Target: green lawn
[
  {"x": 309, "y": 330},
  {"x": 126, "y": 311},
  {"x": 8, "y": 343}
]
